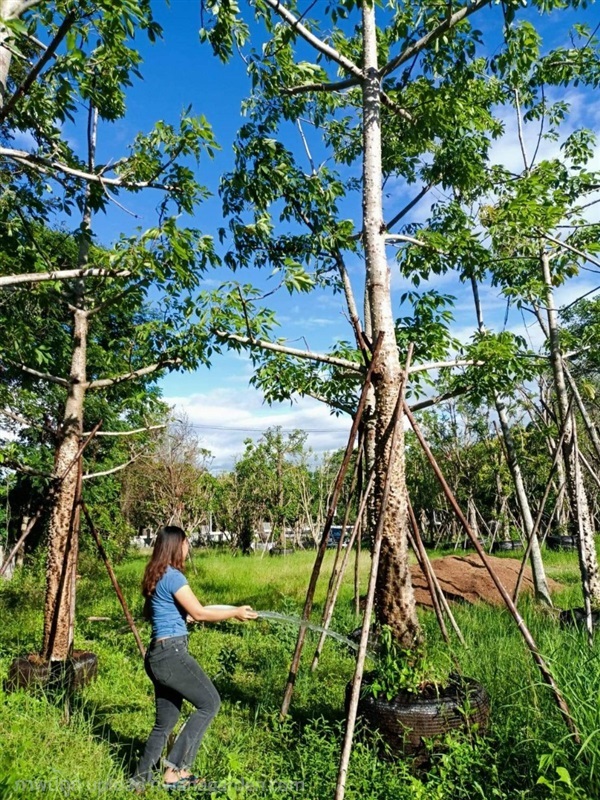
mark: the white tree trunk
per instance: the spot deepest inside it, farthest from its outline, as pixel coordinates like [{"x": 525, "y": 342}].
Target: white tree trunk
[
  {"x": 395, "y": 603},
  {"x": 575, "y": 488}
]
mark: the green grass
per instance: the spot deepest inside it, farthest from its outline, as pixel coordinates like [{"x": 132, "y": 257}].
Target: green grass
[{"x": 246, "y": 745}]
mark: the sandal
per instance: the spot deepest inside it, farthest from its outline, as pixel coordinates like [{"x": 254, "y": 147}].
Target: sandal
[{"x": 182, "y": 783}]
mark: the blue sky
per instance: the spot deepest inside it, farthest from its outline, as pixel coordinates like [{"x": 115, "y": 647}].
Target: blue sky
[{"x": 179, "y": 71}]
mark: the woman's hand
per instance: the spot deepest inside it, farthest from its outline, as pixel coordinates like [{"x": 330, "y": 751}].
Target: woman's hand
[
  {"x": 244, "y": 613},
  {"x": 189, "y": 619}
]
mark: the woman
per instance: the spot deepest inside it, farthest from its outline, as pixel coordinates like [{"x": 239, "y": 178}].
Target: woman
[{"x": 170, "y": 603}]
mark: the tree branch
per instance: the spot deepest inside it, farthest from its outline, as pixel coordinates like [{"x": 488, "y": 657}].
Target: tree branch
[
  {"x": 22, "y": 7},
  {"x": 449, "y": 23},
  {"x": 261, "y": 344},
  {"x": 26, "y": 422},
  {"x": 313, "y": 40},
  {"x": 45, "y": 376},
  {"x": 91, "y": 475},
  {"x": 387, "y": 101},
  {"x": 60, "y": 275},
  {"x": 130, "y": 376},
  {"x": 128, "y": 433},
  {"x": 408, "y": 207},
  {"x": 338, "y": 86},
  {"x": 445, "y": 365},
  {"x": 440, "y": 398},
  {"x": 401, "y": 237},
  {"x": 43, "y": 60},
  {"x": 570, "y": 247},
  {"x": 45, "y": 165}
]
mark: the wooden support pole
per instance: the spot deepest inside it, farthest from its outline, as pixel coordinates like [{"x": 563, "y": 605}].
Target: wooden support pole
[
  {"x": 538, "y": 519},
  {"x": 417, "y": 545},
  {"x": 113, "y": 578},
  {"x": 396, "y": 422},
  {"x": 340, "y": 544},
  {"x": 545, "y": 672},
  {"x": 340, "y": 575},
  {"x": 289, "y": 688}
]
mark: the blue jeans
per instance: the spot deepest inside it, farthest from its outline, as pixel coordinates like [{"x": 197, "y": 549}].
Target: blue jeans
[{"x": 176, "y": 675}]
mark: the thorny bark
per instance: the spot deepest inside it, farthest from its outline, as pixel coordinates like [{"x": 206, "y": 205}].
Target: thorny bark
[
  {"x": 64, "y": 517},
  {"x": 395, "y": 603}
]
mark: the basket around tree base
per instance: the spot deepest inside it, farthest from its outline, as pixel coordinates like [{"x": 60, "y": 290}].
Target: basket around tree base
[
  {"x": 562, "y": 543},
  {"x": 405, "y": 722},
  {"x": 32, "y": 671},
  {"x": 577, "y": 617}
]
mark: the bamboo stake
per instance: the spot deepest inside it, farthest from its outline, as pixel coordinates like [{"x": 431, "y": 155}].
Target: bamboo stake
[
  {"x": 364, "y": 635},
  {"x": 113, "y": 578},
  {"x": 418, "y": 541},
  {"x": 340, "y": 575},
  {"x": 338, "y": 549},
  {"x": 289, "y": 688},
  {"x": 538, "y": 519},
  {"x": 545, "y": 672},
  {"x": 555, "y": 510},
  {"x": 357, "y": 574},
  {"x": 359, "y": 520},
  {"x": 417, "y": 545},
  {"x": 593, "y": 474}
]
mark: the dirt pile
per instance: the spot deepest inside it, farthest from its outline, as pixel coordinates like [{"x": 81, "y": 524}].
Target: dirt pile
[{"x": 465, "y": 579}]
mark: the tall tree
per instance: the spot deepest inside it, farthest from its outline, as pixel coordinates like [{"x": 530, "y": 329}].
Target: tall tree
[
  {"x": 422, "y": 77},
  {"x": 91, "y": 70}
]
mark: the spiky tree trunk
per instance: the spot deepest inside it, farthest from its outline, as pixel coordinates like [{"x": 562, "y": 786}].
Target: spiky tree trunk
[
  {"x": 63, "y": 533},
  {"x": 63, "y": 539},
  {"x": 578, "y": 501},
  {"x": 395, "y": 603}
]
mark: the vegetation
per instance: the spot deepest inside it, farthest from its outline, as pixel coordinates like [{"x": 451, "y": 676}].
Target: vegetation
[{"x": 247, "y": 745}]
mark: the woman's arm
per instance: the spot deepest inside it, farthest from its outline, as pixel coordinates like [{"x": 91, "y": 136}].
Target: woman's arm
[{"x": 190, "y": 603}]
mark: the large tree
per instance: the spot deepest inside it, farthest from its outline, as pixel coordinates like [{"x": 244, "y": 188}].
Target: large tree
[
  {"x": 84, "y": 57},
  {"x": 408, "y": 101}
]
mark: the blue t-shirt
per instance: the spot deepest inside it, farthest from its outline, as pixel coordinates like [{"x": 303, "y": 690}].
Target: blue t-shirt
[{"x": 168, "y": 617}]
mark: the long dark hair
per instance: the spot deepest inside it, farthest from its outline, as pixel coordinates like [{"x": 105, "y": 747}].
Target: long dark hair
[{"x": 168, "y": 551}]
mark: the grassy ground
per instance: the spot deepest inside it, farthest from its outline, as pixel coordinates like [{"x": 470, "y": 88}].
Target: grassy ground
[{"x": 247, "y": 752}]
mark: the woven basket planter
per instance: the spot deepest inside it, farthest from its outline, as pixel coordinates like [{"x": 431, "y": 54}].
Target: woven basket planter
[
  {"x": 576, "y": 617},
  {"x": 506, "y": 547},
  {"x": 407, "y": 720},
  {"x": 561, "y": 542},
  {"x": 32, "y": 671}
]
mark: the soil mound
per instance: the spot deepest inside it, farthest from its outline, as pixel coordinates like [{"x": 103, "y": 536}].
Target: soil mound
[{"x": 465, "y": 579}]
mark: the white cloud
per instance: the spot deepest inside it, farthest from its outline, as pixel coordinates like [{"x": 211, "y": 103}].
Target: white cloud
[{"x": 224, "y": 418}]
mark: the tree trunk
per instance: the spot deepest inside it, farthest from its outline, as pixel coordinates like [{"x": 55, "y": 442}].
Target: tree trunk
[
  {"x": 63, "y": 536},
  {"x": 472, "y": 517},
  {"x": 395, "y": 603},
  {"x": 575, "y": 489},
  {"x": 540, "y": 583}
]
